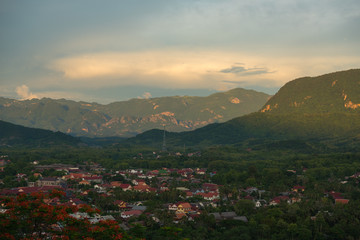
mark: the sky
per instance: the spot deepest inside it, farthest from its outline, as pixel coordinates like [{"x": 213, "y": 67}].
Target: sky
[{"x": 114, "y": 50}]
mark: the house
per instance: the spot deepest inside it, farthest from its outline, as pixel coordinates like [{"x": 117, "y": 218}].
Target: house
[
  {"x": 179, "y": 215},
  {"x": 216, "y": 215},
  {"x": 248, "y": 197},
  {"x": 341, "y": 201},
  {"x": 37, "y": 175},
  {"x": 172, "y": 207},
  {"x": 131, "y": 213},
  {"x": 211, "y": 187},
  {"x": 101, "y": 188},
  {"x": 294, "y": 200},
  {"x": 184, "y": 207},
  {"x": 184, "y": 189},
  {"x": 298, "y": 189},
  {"x": 138, "y": 207},
  {"x": 94, "y": 179},
  {"x": 189, "y": 194},
  {"x": 3, "y": 162},
  {"x": 52, "y": 201},
  {"x": 251, "y": 190},
  {"x": 241, "y": 218},
  {"x": 277, "y": 200},
  {"x": 154, "y": 172},
  {"x": 142, "y": 176},
  {"x": 260, "y": 203},
  {"x": 125, "y": 187},
  {"x": 200, "y": 171},
  {"x": 97, "y": 218},
  {"x": 75, "y": 176},
  {"x": 92, "y": 219},
  {"x": 210, "y": 196},
  {"x": 141, "y": 188},
  {"x": 192, "y": 216},
  {"x": 228, "y": 216},
  {"x": 355, "y": 175},
  {"x": 338, "y": 197},
  {"x": 138, "y": 182},
  {"x": 46, "y": 181},
  {"x": 20, "y": 175},
  {"x": 75, "y": 202},
  {"x": 164, "y": 187},
  {"x": 334, "y": 195},
  {"x": 115, "y": 184},
  {"x": 29, "y": 190},
  {"x": 135, "y": 171},
  {"x": 150, "y": 175},
  {"x": 120, "y": 204},
  {"x": 84, "y": 182}
]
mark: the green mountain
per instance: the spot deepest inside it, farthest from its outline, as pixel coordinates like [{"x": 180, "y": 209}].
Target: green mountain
[
  {"x": 330, "y": 114},
  {"x": 334, "y": 92},
  {"x": 128, "y": 118},
  {"x": 15, "y": 135}
]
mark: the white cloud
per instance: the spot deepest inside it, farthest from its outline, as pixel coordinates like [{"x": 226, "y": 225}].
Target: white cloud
[
  {"x": 184, "y": 69},
  {"x": 164, "y": 69},
  {"x": 24, "y": 93},
  {"x": 146, "y": 95}
]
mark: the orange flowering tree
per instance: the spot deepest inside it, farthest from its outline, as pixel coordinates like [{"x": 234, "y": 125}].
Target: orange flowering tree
[{"x": 30, "y": 217}]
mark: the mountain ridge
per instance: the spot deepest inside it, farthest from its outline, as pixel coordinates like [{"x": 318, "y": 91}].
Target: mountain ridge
[
  {"x": 332, "y": 92},
  {"x": 128, "y": 118},
  {"x": 16, "y": 135},
  {"x": 330, "y": 120}
]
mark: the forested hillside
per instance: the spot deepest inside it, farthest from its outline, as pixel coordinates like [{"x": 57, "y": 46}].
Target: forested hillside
[
  {"x": 329, "y": 113},
  {"x": 15, "y": 135}
]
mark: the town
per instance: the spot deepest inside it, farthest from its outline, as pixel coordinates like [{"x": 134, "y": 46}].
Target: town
[{"x": 161, "y": 195}]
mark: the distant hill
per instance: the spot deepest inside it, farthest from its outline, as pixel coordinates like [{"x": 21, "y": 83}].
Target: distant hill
[
  {"x": 128, "y": 118},
  {"x": 334, "y": 92},
  {"x": 15, "y": 135},
  {"x": 330, "y": 112}
]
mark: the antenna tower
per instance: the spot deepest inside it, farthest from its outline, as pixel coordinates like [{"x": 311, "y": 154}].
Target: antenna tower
[{"x": 164, "y": 149}]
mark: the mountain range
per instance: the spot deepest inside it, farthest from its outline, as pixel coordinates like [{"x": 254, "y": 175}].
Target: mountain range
[
  {"x": 128, "y": 118},
  {"x": 321, "y": 109}
]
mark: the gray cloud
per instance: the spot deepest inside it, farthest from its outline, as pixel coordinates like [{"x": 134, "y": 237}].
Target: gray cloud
[
  {"x": 242, "y": 71},
  {"x": 273, "y": 34}
]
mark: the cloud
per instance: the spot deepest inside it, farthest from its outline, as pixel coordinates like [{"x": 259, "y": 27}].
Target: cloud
[
  {"x": 161, "y": 68},
  {"x": 24, "y": 93},
  {"x": 146, "y": 95},
  {"x": 185, "y": 69},
  {"x": 240, "y": 70}
]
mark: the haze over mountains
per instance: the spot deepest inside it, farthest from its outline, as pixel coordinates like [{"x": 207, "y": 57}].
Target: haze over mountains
[{"x": 128, "y": 118}]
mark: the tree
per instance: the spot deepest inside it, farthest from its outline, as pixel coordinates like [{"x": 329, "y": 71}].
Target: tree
[
  {"x": 244, "y": 207},
  {"x": 29, "y": 217}
]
